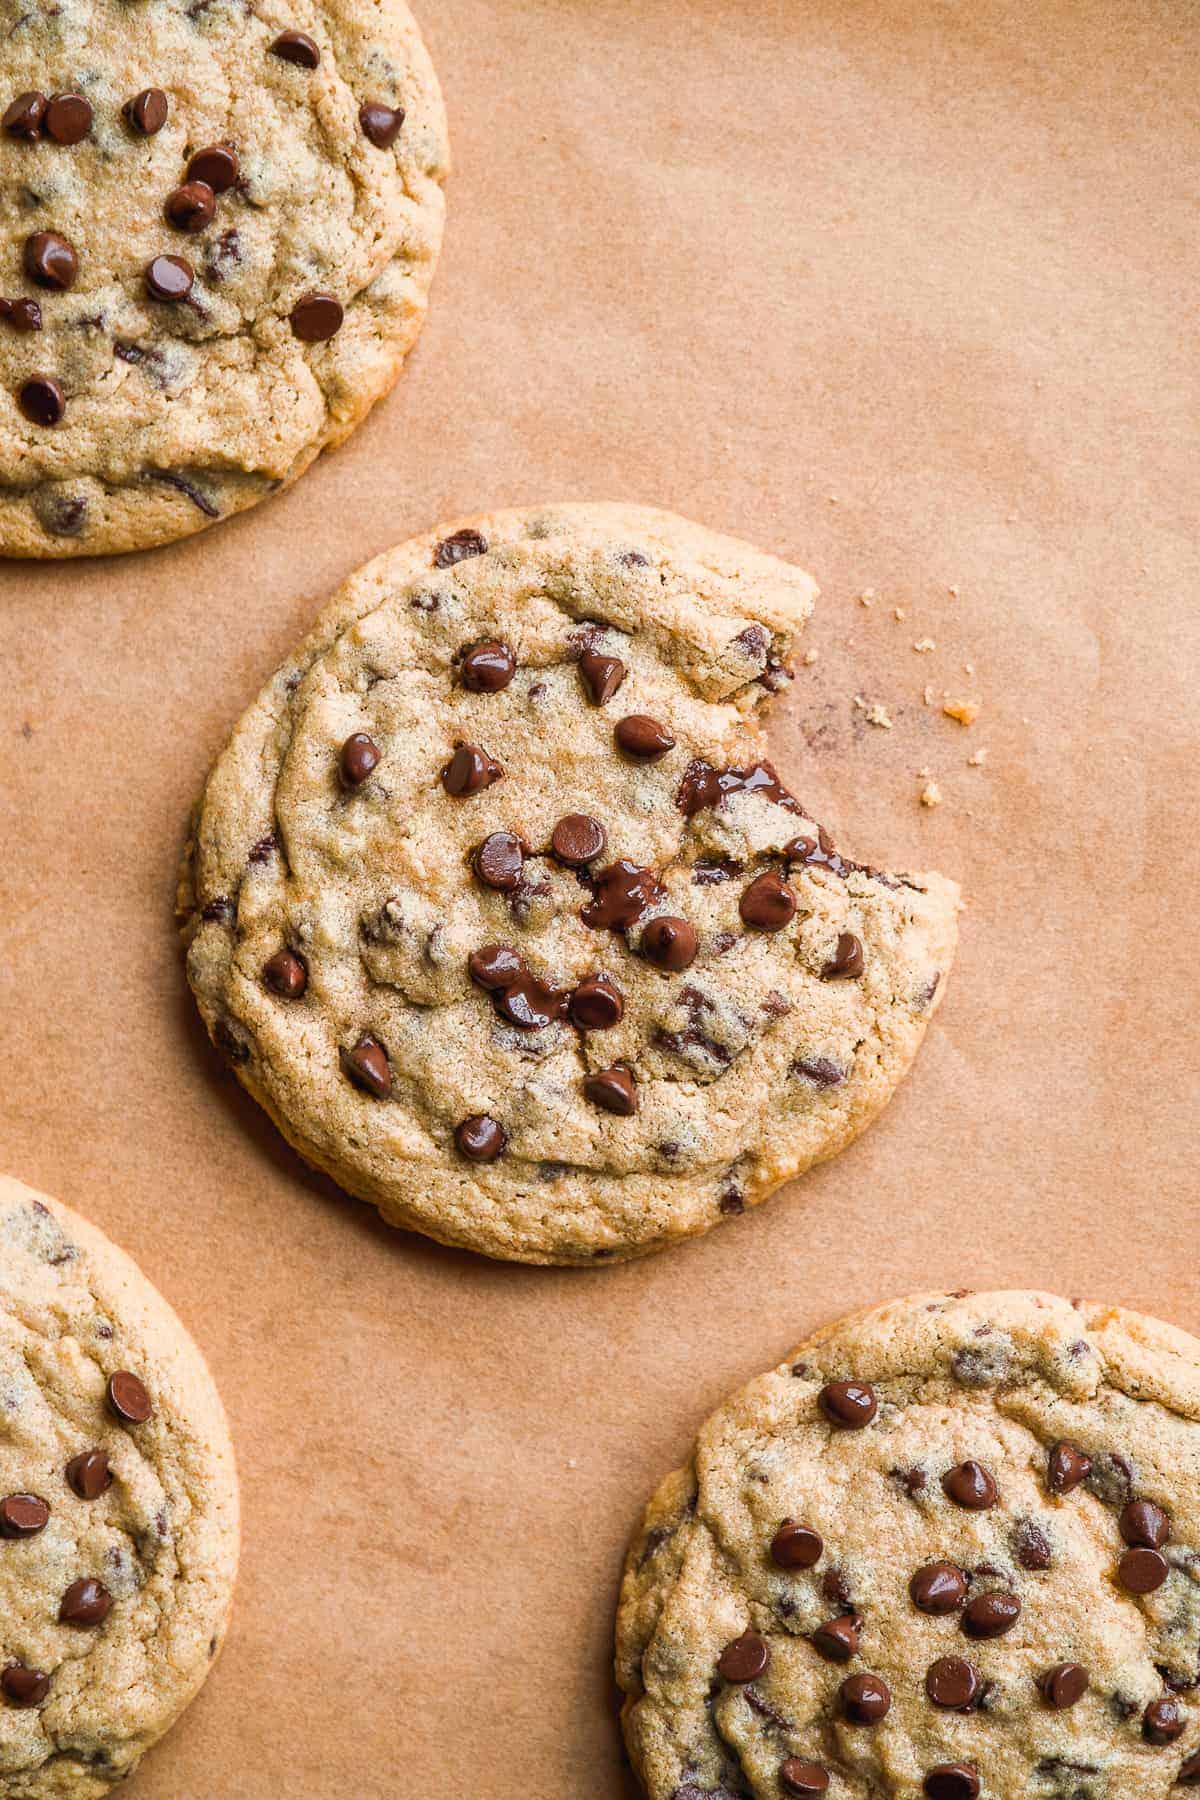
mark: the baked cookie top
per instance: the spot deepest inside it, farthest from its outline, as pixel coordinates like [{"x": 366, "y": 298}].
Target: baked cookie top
[
  {"x": 118, "y": 1508},
  {"x": 950, "y": 1548},
  {"x": 218, "y": 228},
  {"x": 497, "y": 905}
]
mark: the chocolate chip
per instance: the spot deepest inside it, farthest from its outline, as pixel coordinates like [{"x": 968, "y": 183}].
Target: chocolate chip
[
  {"x": 952, "y": 1781},
  {"x": 1163, "y": 1722},
  {"x": 50, "y": 261},
  {"x": 1146, "y": 1524},
  {"x": 1064, "y": 1685},
  {"x": 865, "y": 1699},
  {"x": 597, "y": 1004},
  {"x": 23, "y": 1516},
  {"x": 835, "y": 1587},
  {"x": 500, "y": 860},
  {"x": 42, "y": 400},
  {"x": 531, "y": 1004},
  {"x": 86, "y": 1602},
  {"x": 704, "y": 786},
  {"x": 68, "y": 118},
  {"x": 970, "y": 1486},
  {"x": 1066, "y": 1468},
  {"x": 847, "y": 959},
  {"x": 128, "y": 1399},
  {"x": 953, "y": 1683},
  {"x": 938, "y": 1589},
  {"x": 848, "y": 1404},
  {"x": 380, "y": 123},
  {"x": 991, "y": 1615},
  {"x": 803, "y": 1778},
  {"x": 147, "y": 111},
  {"x": 1031, "y": 1546},
  {"x": 285, "y": 974},
  {"x": 23, "y": 116},
  {"x": 643, "y": 738},
  {"x": 623, "y": 892},
  {"x": 191, "y": 206},
  {"x": 1142, "y": 1571},
  {"x": 358, "y": 759},
  {"x": 480, "y": 1138},
  {"x": 366, "y": 1065},
  {"x": 1189, "y": 1774},
  {"x": 217, "y": 165},
  {"x": 24, "y": 1687},
  {"x": 316, "y": 318},
  {"x": 837, "y": 1639},
  {"x": 470, "y": 770},
  {"x": 670, "y": 944},
  {"x": 578, "y": 839},
  {"x": 88, "y": 1474},
  {"x": 298, "y": 48},
  {"x": 745, "y": 1659},
  {"x": 612, "y": 1089},
  {"x": 768, "y": 904},
  {"x": 495, "y": 967},
  {"x": 488, "y": 666},
  {"x": 169, "y": 278},
  {"x": 460, "y": 546},
  {"x": 796, "y": 1546},
  {"x": 602, "y": 675},
  {"x": 22, "y": 313}
]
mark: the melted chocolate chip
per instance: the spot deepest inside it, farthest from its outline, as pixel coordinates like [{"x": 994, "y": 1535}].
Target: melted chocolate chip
[
  {"x": 970, "y": 1486},
  {"x": 459, "y": 547},
  {"x": 531, "y": 1004},
  {"x": 953, "y": 1683},
  {"x": 1189, "y": 1774},
  {"x": 578, "y": 839},
  {"x": 745, "y": 1659},
  {"x": 495, "y": 967},
  {"x": 622, "y": 893},
  {"x": 470, "y": 770},
  {"x": 837, "y": 1639},
  {"x": 285, "y": 974},
  {"x": 50, "y": 261},
  {"x": 86, "y": 1602},
  {"x": 480, "y": 1138},
  {"x": 316, "y": 318},
  {"x": 23, "y": 1516},
  {"x": 217, "y": 165},
  {"x": 1163, "y": 1721},
  {"x": 850, "y": 1405},
  {"x": 146, "y": 112},
  {"x": 1143, "y": 1523},
  {"x": 488, "y": 667},
  {"x": 846, "y": 961},
  {"x": 796, "y": 1546},
  {"x": 22, "y": 313},
  {"x": 1064, "y": 1685},
  {"x": 380, "y": 123},
  {"x": 169, "y": 278},
  {"x": 1066, "y": 1468},
  {"x": 938, "y": 1589},
  {"x": 768, "y": 904},
  {"x": 670, "y": 944},
  {"x": 128, "y": 1399},
  {"x": 597, "y": 1004},
  {"x": 803, "y": 1778},
  {"x": 704, "y": 786},
  {"x": 191, "y": 206},
  {"x": 1142, "y": 1571},
  {"x": 614, "y": 1090},
  {"x": 298, "y": 48},
  {"x": 991, "y": 1615},
  {"x": 23, "y": 116},
  {"x": 642, "y": 738},
  {"x": 358, "y": 759},
  {"x": 1031, "y": 1546},
  {"x": 602, "y": 675},
  {"x": 500, "y": 861},
  {"x": 24, "y": 1687},
  {"x": 865, "y": 1699},
  {"x": 68, "y": 118},
  {"x": 42, "y": 400},
  {"x": 88, "y": 1474},
  {"x": 366, "y": 1065},
  {"x": 952, "y": 1781}
]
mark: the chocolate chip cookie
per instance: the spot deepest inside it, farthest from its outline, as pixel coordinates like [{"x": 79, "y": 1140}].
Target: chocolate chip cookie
[
  {"x": 118, "y": 1508},
  {"x": 950, "y": 1548},
  {"x": 498, "y": 906},
  {"x": 218, "y": 228}
]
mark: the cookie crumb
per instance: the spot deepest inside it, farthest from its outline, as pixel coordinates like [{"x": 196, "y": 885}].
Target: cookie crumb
[
  {"x": 953, "y": 592},
  {"x": 867, "y": 597},
  {"x": 977, "y": 759},
  {"x": 898, "y": 612},
  {"x": 924, "y": 645},
  {"x": 927, "y": 693},
  {"x": 873, "y": 712},
  {"x": 809, "y": 658},
  {"x": 931, "y": 794},
  {"x": 965, "y": 711}
]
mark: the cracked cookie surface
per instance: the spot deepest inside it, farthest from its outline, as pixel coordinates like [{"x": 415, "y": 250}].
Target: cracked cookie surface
[
  {"x": 219, "y": 222},
  {"x": 950, "y": 1548},
  {"x": 118, "y": 1508},
  {"x": 495, "y": 903}
]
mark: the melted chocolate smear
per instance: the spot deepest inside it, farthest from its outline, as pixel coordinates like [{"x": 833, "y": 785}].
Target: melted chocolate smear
[{"x": 702, "y": 786}]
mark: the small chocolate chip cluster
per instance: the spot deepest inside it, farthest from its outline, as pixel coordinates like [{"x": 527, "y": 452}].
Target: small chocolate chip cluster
[
  {"x": 941, "y": 1590},
  {"x": 86, "y": 1602}
]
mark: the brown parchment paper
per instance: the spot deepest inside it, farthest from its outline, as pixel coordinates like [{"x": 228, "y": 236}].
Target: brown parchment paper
[{"x": 904, "y": 290}]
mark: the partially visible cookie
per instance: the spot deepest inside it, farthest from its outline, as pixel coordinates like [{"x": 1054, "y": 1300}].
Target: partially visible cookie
[
  {"x": 218, "y": 228},
  {"x": 496, "y": 903},
  {"x": 118, "y": 1508},
  {"x": 950, "y": 1548}
]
